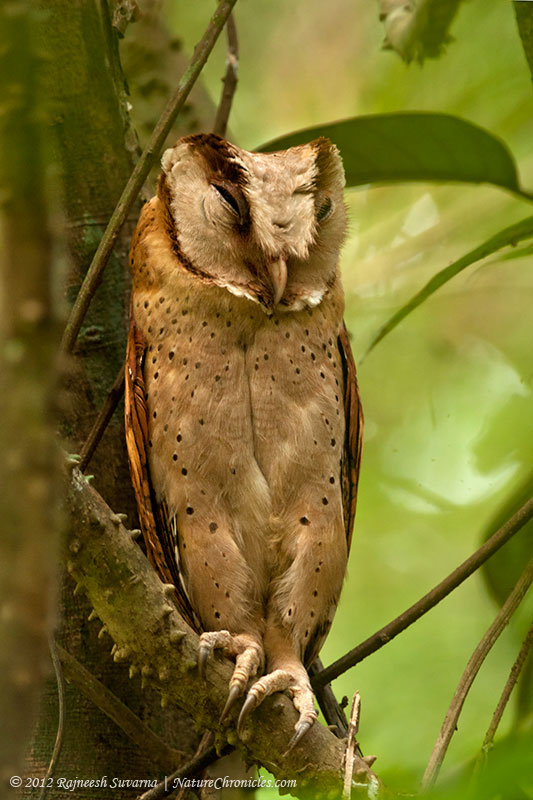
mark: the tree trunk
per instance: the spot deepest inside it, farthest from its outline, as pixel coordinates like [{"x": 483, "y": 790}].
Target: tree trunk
[
  {"x": 28, "y": 338},
  {"x": 93, "y": 148}
]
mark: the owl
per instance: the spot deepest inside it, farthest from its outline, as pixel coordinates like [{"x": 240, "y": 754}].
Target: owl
[{"x": 243, "y": 418}]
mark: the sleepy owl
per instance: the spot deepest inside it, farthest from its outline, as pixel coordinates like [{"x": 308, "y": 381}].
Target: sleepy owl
[{"x": 243, "y": 419}]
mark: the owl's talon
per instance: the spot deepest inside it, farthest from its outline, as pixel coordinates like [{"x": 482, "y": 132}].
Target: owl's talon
[
  {"x": 301, "y": 729},
  {"x": 233, "y": 694},
  {"x": 251, "y": 702},
  {"x": 204, "y": 652}
]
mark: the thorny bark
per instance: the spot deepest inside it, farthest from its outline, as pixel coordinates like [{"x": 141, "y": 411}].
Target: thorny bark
[{"x": 150, "y": 635}]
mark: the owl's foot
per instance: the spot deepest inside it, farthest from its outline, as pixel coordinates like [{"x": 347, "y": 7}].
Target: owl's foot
[
  {"x": 299, "y": 689},
  {"x": 248, "y": 655}
]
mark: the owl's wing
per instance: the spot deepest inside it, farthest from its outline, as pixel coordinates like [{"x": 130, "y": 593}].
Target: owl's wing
[
  {"x": 155, "y": 524},
  {"x": 353, "y": 443}
]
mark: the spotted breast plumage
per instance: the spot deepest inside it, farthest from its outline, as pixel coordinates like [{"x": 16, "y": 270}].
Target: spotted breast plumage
[{"x": 243, "y": 419}]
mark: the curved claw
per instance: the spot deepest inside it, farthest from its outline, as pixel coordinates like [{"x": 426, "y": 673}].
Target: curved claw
[
  {"x": 251, "y": 702},
  {"x": 301, "y": 730},
  {"x": 233, "y": 694},
  {"x": 203, "y": 655}
]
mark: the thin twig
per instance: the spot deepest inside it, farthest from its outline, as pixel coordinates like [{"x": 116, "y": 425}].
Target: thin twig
[
  {"x": 194, "y": 766},
  {"x": 95, "y": 691},
  {"x": 205, "y": 743},
  {"x": 508, "y": 688},
  {"x": 349, "y": 759},
  {"x": 429, "y": 600},
  {"x": 97, "y": 431},
  {"x": 60, "y": 679},
  {"x": 472, "y": 668},
  {"x": 230, "y": 79},
  {"x": 140, "y": 173},
  {"x": 331, "y": 709}
]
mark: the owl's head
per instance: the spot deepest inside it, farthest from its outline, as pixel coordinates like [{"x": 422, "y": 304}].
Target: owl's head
[{"x": 266, "y": 226}]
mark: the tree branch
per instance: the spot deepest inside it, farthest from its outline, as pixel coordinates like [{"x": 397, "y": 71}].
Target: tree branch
[
  {"x": 58, "y": 745},
  {"x": 149, "y": 633},
  {"x": 230, "y": 79},
  {"x": 331, "y": 709},
  {"x": 472, "y": 668},
  {"x": 429, "y": 600},
  {"x": 106, "y": 412},
  {"x": 140, "y": 173},
  {"x": 202, "y": 759},
  {"x": 95, "y": 691},
  {"x": 508, "y": 688}
]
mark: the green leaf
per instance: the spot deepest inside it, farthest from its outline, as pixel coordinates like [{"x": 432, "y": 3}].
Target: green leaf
[
  {"x": 508, "y": 237},
  {"x": 414, "y": 146}
]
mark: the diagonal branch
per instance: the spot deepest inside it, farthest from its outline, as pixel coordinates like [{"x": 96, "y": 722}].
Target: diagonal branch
[
  {"x": 138, "y": 614},
  {"x": 472, "y": 668},
  {"x": 230, "y": 79},
  {"x": 140, "y": 173},
  {"x": 508, "y": 688},
  {"x": 203, "y": 758},
  {"x": 95, "y": 691},
  {"x": 106, "y": 412},
  {"x": 429, "y": 600}
]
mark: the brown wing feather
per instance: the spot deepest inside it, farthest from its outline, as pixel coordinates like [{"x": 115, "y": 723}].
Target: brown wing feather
[
  {"x": 153, "y": 516},
  {"x": 351, "y": 462},
  {"x": 353, "y": 443}
]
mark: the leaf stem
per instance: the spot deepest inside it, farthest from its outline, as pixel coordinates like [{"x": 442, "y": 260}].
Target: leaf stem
[{"x": 508, "y": 237}]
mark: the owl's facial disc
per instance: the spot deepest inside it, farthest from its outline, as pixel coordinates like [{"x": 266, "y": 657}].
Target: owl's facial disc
[{"x": 265, "y": 226}]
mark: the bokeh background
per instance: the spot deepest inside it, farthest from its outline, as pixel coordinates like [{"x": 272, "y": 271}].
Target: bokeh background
[{"x": 447, "y": 395}]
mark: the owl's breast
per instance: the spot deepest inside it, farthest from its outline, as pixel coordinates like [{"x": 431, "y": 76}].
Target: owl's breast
[
  {"x": 296, "y": 395},
  {"x": 201, "y": 435}
]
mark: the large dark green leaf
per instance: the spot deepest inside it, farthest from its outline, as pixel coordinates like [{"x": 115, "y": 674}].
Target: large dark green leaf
[
  {"x": 508, "y": 237},
  {"x": 413, "y": 147}
]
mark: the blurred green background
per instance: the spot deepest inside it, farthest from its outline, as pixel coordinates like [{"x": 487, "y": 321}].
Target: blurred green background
[{"x": 447, "y": 395}]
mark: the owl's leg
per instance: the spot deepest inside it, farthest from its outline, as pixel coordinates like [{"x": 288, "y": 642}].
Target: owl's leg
[
  {"x": 226, "y": 595},
  {"x": 248, "y": 653},
  {"x": 300, "y": 612},
  {"x": 285, "y": 673}
]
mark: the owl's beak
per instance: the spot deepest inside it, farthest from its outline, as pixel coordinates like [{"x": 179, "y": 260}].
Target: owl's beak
[{"x": 277, "y": 271}]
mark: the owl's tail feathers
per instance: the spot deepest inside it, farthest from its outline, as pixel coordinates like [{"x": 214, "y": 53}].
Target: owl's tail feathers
[
  {"x": 249, "y": 659},
  {"x": 296, "y": 682}
]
